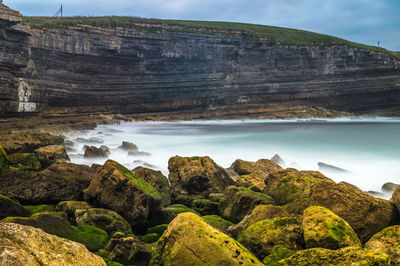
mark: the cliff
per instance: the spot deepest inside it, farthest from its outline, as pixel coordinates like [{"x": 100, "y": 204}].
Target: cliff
[{"x": 79, "y": 66}]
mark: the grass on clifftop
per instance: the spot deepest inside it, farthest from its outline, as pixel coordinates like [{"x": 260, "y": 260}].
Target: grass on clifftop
[{"x": 277, "y": 35}]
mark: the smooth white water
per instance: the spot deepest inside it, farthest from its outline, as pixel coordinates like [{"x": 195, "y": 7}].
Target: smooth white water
[{"x": 368, "y": 148}]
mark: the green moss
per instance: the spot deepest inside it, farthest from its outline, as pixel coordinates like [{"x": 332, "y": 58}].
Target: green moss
[
  {"x": 139, "y": 182},
  {"x": 158, "y": 229},
  {"x": 41, "y": 208},
  {"x": 278, "y": 253},
  {"x": 3, "y": 161},
  {"x": 149, "y": 238},
  {"x": 337, "y": 230},
  {"x": 205, "y": 206},
  {"x": 194, "y": 158},
  {"x": 217, "y": 222},
  {"x": 112, "y": 263},
  {"x": 24, "y": 161},
  {"x": 92, "y": 237}
]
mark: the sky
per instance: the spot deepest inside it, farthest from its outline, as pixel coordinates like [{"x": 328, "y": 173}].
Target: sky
[{"x": 362, "y": 21}]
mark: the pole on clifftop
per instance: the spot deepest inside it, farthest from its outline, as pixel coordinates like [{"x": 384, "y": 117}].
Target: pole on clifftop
[{"x": 59, "y": 12}]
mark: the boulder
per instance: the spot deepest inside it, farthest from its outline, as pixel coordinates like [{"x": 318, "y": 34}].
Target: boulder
[
  {"x": 322, "y": 228},
  {"x": 26, "y": 161},
  {"x": 3, "y": 161},
  {"x": 261, "y": 237},
  {"x": 82, "y": 174},
  {"x": 259, "y": 213},
  {"x": 396, "y": 197},
  {"x": 278, "y": 253},
  {"x": 69, "y": 207},
  {"x": 205, "y": 206},
  {"x": 9, "y": 207},
  {"x": 157, "y": 180},
  {"x": 189, "y": 240},
  {"x": 217, "y": 222},
  {"x": 158, "y": 229},
  {"x": 169, "y": 213},
  {"x": 387, "y": 241},
  {"x": 127, "y": 249},
  {"x": 186, "y": 199},
  {"x": 93, "y": 238},
  {"x": 107, "y": 220},
  {"x": 197, "y": 175},
  {"x": 25, "y": 245},
  {"x": 343, "y": 257},
  {"x": 41, "y": 208},
  {"x": 278, "y": 160},
  {"x": 117, "y": 188},
  {"x": 94, "y": 152},
  {"x": 389, "y": 187},
  {"x": 140, "y": 153},
  {"x": 32, "y": 188},
  {"x": 297, "y": 190},
  {"x": 216, "y": 197},
  {"x": 128, "y": 146},
  {"x": 50, "y": 154},
  {"x": 239, "y": 201},
  {"x": 28, "y": 142},
  {"x": 330, "y": 168}
]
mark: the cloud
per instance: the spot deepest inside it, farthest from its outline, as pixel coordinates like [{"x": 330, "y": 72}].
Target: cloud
[{"x": 364, "y": 21}]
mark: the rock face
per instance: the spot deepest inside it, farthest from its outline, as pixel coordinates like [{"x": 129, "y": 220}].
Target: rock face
[
  {"x": 322, "y": 228},
  {"x": 25, "y": 245},
  {"x": 169, "y": 67},
  {"x": 197, "y": 175},
  {"x": 189, "y": 240},
  {"x": 119, "y": 189},
  {"x": 387, "y": 241}
]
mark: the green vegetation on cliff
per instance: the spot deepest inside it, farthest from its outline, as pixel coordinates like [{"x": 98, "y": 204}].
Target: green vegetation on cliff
[{"x": 275, "y": 35}]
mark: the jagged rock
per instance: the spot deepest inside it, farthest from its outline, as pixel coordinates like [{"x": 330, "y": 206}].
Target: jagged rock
[
  {"x": 24, "y": 160},
  {"x": 259, "y": 213},
  {"x": 107, "y": 220},
  {"x": 9, "y": 207},
  {"x": 197, "y": 175},
  {"x": 189, "y": 240},
  {"x": 239, "y": 201},
  {"x": 53, "y": 153},
  {"x": 94, "y": 152},
  {"x": 128, "y": 146},
  {"x": 205, "y": 206},
  {"x": 254, "y": 173},
  {"x": 93, "y": 238},
  {"x": 118, "y": 189},
  {"x": 217, "y": 222},
  {"x": 387, "y": 241},
  {"x": 69, "y": 207},
  {"x": 3, "y": 161},
  {"x": 28, "y": 142},
  {"x": 389, "y": 187},
  {"x": 322, "y": 228},
  {"x": 261, "y": 237},
  {"x": 157, "y": 180},
  {"x": 342, "y": 257},
  {"x": 297, "y": 190},
  {"x": 128, "y": 250},
  {"x": 331, "y": 168},
  {"x": 278, "y": 160},
  {"x": 25, "y": 245}
]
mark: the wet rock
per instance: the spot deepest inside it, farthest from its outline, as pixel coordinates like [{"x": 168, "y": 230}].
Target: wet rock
[
  {"x": 94, "y": 152},
  {"x": 322, "y": 228},
  {"x": 239, "y": 201},
  {"x": 28, "y": 142},
  {"x": 48, "y": 155},
  {"x": 197, "y": 175},
  {"x": 157, "y": 180},
  {"x": 259, "y": 213},
  {"x": 117, "y": 188},
  {"x": 375, "y": 193},
  {"x": 331, "y": 168},
  {"x": 127, "y": 250},
  {"x": 128, "y": 146},
  {"x": 186, "y": 199},
  {"x": 24, "y": 161},
  {"x": 9, "y": 207},
  {"x": 387, "y": 241},
  {"x": 205, "y": 206},
  {"x": 139, "y": 153},
  {"x": 278, "y": 160},
  {"x": 389, "y": 187},
  {"x": 169, "y": 213},
  {"x": 25, "y": 245},
  {"x": 261, "y": 237},
  {"x": 3, "y": 161},
  {"x": 344, "y": 256},
  {"x": 189, "y": 239},
  {"x": 92, "y": 140},
  {"x": 107, "y": 220},
  {"x": 82, "y": 174},
  {"x": 217, "y": 222},
  {"x": 70, "y": 207}
]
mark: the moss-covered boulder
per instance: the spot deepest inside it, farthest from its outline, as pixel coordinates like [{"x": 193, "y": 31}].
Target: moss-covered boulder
[
  {"x": 191, "y": 241},
  {"x": 26, "y": 245},
  {"x": 297, "y": 190},
  {"x": 3, "y": 161},
  {"x": 217, "y": 222},
  {"x": 82, "y": 174},
  {"x": 343, "y": 257},
  {"x": 169, "y": 213},
  {"x": 70, "y": 207},
  {"x": 127, "y": 249},
  {"x": 205, "y": 206},
  {"x": 149, "y": 238},
  {"x": 116, "y": 188},
  {"x": 158, "y": 229},
  {"x": 278, "y": 253},
  {"x": 25, "y": 161},
  {"x": 259, "y": 213},
  {"x": 40, "y": 208},
  {"x": 239, "y": 201},
  {"x": 9, "y": 207},
  {"x": 261, "y": 237},
  {"x": 28, "y": 142},
  {"x": 254, "y": 173},
  {"x": 387, "y": 241},
  {"x": 48, "y": 155},
  {"x": 157, "y": 180},
  {"x": 95, "y": 152},
  {"x": 186, "y": 199},
  {"x": 197, "y": 175},
  {"x": 108, "y": 220},
  {"x": 322, "y": 228}
]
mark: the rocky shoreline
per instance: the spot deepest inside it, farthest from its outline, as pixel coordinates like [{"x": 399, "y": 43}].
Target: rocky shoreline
[{"x": 253, "y": 213}]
